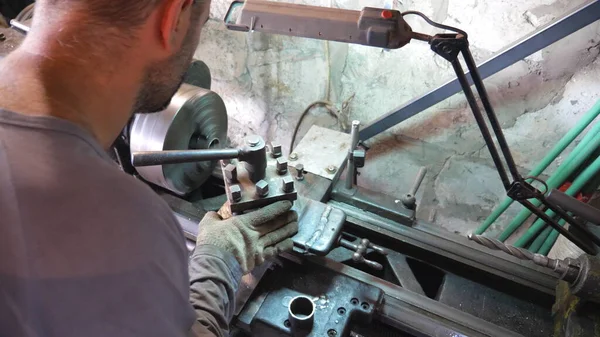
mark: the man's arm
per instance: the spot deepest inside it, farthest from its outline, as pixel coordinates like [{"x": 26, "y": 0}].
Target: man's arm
[
  {"x": 214, "y": 280},
  {"x": 225, "y": 250}
]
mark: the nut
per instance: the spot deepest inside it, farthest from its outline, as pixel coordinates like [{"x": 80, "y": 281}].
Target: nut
[
  {"x": 293, "y": 156},
  {"x": 236, "y": 193},
  {"x": 262, "y": 188},
  {"x": 331, "y": 169},
  {"x": 282, "y": 166},
  {"x": 276, "y": 151},
  {"x": 287, "y": 184},
  {"x": 230, "y": 172}
]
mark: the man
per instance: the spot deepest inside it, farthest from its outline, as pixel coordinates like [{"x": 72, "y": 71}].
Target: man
[{"x": 84, "y": 249}]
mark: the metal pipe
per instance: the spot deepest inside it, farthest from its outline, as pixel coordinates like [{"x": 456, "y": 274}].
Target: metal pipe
[
  {"x": 539, "y": 241},
  {"x": 151, "y": 158},
  {"x": 568, "y": 138},
  {"x": 584, "y": 245},
  {"x": 589, "y": 173},
  {"x": 20, "y": 26},
  {"x": 557, "y": 179},
  {"x": 578, "y": 208},
  {"x": 487, "y": 136},
  {"x": 353, "y": 145},
  {"x": 571, "y": 22}
]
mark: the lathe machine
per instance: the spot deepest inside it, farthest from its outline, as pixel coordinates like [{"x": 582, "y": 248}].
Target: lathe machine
[{"x": 363, "y": 264}]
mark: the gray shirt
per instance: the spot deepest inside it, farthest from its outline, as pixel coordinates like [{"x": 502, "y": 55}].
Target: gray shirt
[{"x": 86, "y": 250}]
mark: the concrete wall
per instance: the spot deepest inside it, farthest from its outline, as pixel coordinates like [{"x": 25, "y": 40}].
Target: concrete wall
[{"x": 267, "y": 81}]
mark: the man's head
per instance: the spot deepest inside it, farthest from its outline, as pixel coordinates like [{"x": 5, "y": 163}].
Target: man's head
[{"x": 163, "y": 35}]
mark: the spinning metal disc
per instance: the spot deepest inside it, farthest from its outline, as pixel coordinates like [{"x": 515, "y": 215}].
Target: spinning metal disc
[{"x": 196, "y": 118}]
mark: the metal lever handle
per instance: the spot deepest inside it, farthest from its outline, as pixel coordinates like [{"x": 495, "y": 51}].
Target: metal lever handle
[
  {"x": 409, "y": 200},
  {"x": 578, "y": 208},
  {"x": 361, "y": 249},
  {"x": 151, "y": 158}
]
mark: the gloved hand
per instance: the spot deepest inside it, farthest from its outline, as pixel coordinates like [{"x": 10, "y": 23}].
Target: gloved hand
[{"x": 253, "y": 237}]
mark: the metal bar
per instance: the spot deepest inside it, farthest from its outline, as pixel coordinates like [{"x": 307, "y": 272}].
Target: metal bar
[
  {"x": 539, "y": 39},
  {"x": 351, "y": 172},
  {"x": 581, "y": 228},
  {"x": 457, "y": 250},
  {"x": 413, "y": 313},
  {"x": 578, "y": 208},
  {"x": 489, "y": 110},
  {"x": 575, "y": 239},
  {"x": 20, "y": 26},
  {"x": 489, "y": 141},
  {"x": 150, "y": 158}
]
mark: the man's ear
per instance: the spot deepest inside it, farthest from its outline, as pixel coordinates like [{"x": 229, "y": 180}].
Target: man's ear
[{"x": 176, "y": 16}]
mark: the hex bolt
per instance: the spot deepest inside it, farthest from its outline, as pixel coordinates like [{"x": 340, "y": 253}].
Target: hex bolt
[
  {"x": 253, "y": 140},
  {"x": 331, "y": 169},
  {"x": 287, "y": 184},
  {"x": 276, "y": 150},
  {"x": 236, "y": 193},
  {"x": 282, "y": 166},
  {"x": 299, "y": 172},
  {"x": 293, "y": 156},
  {"x": 262, "y": 188},
  {"x": 230, "y": 172}
]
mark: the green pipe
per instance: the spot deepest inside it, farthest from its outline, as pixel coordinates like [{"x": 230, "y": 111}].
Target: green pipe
[
  {"x": 588, "y": 174},
  {"x": 557, "y": 179},
  {"x": 539, "y": 241},
  {"x": 546, "y": 161},
  {"x": 551, "y": 240}
]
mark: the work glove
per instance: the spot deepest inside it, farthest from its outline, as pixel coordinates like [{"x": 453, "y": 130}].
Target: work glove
[{"x": 252, "y": 237}]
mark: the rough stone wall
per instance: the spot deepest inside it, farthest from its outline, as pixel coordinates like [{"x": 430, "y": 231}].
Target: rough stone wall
[{"x": 267, "y": 81}]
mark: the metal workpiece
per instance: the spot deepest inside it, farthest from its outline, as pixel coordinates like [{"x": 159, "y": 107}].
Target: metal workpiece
[
  {"x": 544, "y": 36},
  {"x": 578, "y": 208},
  {"x": 567, "y": 269},
  {"x": 374, "y": 27},
  {"x": 301, "y": 313},
  {"x": 20, "y": 26}
]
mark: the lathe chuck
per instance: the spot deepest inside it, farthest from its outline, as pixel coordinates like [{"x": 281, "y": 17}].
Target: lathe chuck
[{"x": 196, "y": 118}]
